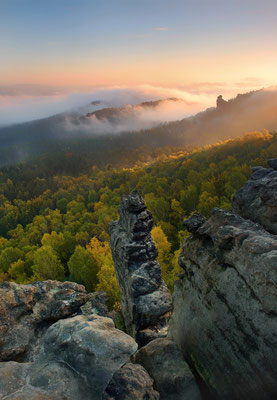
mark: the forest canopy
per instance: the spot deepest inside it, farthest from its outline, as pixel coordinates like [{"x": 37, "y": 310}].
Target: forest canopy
[{"x": 56, "y": 226}]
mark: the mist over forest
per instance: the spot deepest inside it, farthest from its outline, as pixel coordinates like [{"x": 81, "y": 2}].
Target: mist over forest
[{"x": 102, "y": 135}]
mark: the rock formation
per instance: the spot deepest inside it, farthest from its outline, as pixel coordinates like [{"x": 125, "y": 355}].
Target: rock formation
[
  {"x": 129, "y": 383},
  {"x": 257, "y": 199},
  {"x": 166, "y": 365},
  {"x": 220, "y": 102},
  {"x": 26, "y": 311},
  {"x": 77, "y": 360},
  {"x": 146, "y": 301},
  {"x": 224, "y": 317}
]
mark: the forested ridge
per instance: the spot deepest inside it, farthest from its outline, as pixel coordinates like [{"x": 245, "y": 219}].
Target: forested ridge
[{"x": 56, "y": 226}]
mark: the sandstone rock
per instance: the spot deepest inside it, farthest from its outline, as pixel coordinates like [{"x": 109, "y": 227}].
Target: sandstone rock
[
  {"x": 24, "y": 381},
  {"x": 166, "y": 365},
  {"x": 224, "y": 318},
  {"x": 257, "y": 199},
  {"x": 26, "y": 311},
  {"x": 272, "y": 163},
  {"x": 90, "y": 345},
  {"x": 129, "y": 383},
  {"x": 96, "y": 304},
  {"x": 78, "y": 358},
  {"x": 194, "y": 222},
  {"x": 146, "y": 301}
]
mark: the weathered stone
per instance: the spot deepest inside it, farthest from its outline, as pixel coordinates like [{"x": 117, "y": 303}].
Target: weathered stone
[
  {"x": 96, "y": 304},
  {"x": 166, "y": 365},
  {"x": 272, "y": 163},
  {"x": 224, "y": 318},
  {"x": 90, "y": 345},
  {"x": 146, "y": 301},
  {"x": 78, "y": 358},
  {"x": 26, "y": 311},
  {"x": 257, "y": 199},
  {"x": 194, "y": 222},
  {"x": 36, "y": 381},
  {"x": 129, "y": 383}
]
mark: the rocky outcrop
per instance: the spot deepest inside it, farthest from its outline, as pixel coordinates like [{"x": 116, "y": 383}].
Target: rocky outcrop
[
  {"x": 57, "y": 343},
  {"x": 257, "y": 199},
  {"x": 96, "y": 304},
  {"x": 146, "y": 301},
  {"x": 129, "y": 383},
  {"x": 26, "y": 311},
  {"x": 224, "y": 317},
  {"x": 166, "y": 365},
  {"x": 77, "y": 360},
  {"x": 220, "y": 102}
]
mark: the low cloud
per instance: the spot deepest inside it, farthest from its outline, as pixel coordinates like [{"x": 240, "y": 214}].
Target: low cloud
[
  {"x": 21, "y": 103},
  {"x": 26, "y": 103}
]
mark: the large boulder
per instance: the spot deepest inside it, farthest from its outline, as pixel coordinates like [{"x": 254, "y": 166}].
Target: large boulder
[
  {"x": 77, "y": 360},
  {"x": 257, "y": 199},
  {"x": 172, "y": 376},
  {"x": 129, "y": 383},
  {"x": 26, "y": 311},
  {"x": 146, "y": 301},
  {"x": 224, "y": 317},
  {"x": 33, "y": 381}
]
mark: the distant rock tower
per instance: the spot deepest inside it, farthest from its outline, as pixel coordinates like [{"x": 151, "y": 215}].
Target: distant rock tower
[
  {"x": 146, "y": 300},
  {"x": 220, "y": 102}
]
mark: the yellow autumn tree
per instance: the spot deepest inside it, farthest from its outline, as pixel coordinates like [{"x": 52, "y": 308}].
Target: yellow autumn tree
[
  {"x": 107, "y": 280},
  {"x": 163, "y": 247}
]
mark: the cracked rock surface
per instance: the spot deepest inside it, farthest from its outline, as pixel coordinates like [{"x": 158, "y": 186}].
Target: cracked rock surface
[
  {"x": 77, "y": 360},
  {"x": 26, "y": 311},
  {"x": 257, "y": 199},
  {"x": 224, "y": 317}
]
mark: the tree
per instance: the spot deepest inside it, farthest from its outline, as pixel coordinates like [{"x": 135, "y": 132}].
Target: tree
[
  {"x": 54, "y": 240},
  {"x": 47, "y": 265},
  {"x": 106, "y": 275},
  {"x": 83, "y": 268},
  {"x": 189, "y": 199},
  {"x": 207, "y": 203},
  {"x": 8, "y": 256},
  {"x": 18, "y": 271},
  {"x": 163, "y": 247}
]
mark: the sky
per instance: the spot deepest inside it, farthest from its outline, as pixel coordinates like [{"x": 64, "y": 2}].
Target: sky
[{"x": 57, "y": 47}]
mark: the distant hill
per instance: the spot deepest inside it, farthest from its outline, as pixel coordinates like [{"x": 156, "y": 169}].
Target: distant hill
[
  {"x": 97, "y": 133},
  {"x": 119, "y": 114}
]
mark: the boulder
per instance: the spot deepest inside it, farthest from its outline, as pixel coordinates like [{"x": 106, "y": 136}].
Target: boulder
[
  {"x": 257, "y": 199},
  {"x": 26, "y": 311},
  {"x": 224, "y": 319},
  {"x": 172, "y": 376},
  {"x": 77, "y": 360},
  {"x": 129, "y": 383},
  {"x": 146, "y": 301},
  {"x": 24, "y": 381}
]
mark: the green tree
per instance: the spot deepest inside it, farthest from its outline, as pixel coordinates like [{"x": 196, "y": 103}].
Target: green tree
[
  {"x": 207, "y": 203},
  {"x": 83, "y": 268},
  {"x": 8, "y": 256},
  {"x": 47, "y": 265}
]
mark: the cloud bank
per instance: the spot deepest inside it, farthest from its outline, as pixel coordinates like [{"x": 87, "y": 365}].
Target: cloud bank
[{"x": 23, "y": 103}]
